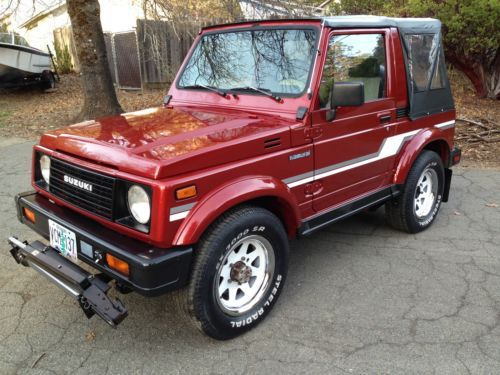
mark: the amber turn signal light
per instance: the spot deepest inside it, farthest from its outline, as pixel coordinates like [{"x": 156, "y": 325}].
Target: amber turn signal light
[
  {"x": 187, "y": 192},
  {"x": 28, "y": 214},
  {"x": 117, "y": 264}
]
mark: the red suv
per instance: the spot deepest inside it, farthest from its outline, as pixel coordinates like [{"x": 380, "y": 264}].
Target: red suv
[{"x": 271, "y": 130}]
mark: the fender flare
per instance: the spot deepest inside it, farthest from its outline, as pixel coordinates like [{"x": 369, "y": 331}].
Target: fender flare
[
  {"x": 410, "y": 152},
  {"x": 231, "y": 194}
]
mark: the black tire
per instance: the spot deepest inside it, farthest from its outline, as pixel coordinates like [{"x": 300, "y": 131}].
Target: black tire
[
  {"x": 201, "y": 300},
  {"x": 401, "y": 213},
  {"x": 48, "y": 80}
]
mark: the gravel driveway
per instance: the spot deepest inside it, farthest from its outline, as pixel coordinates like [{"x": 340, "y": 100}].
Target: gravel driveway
[{"x": 360, "y": 298}]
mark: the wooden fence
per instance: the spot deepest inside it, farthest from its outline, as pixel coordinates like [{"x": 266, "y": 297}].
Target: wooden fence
[
  {"x": 149, "y": 56},
  {"x": 64, "y": 37}
]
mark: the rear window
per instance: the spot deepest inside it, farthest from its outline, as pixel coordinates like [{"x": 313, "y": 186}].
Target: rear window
[{"x": 423, "y": 51}]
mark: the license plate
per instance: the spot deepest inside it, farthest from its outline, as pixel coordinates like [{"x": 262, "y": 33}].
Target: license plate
[{"x": 63, "y": 240}]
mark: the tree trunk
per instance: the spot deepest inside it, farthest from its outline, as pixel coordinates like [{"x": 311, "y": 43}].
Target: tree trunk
[
  {"x": 492, "y": 77},
  {"x": 484, "y": 75},
  {"x": 99, "y": 92}
]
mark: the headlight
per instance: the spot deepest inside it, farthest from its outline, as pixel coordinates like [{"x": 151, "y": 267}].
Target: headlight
[
  {"x": 138, "y": 204},
  {"x": 45, "y": 167}
]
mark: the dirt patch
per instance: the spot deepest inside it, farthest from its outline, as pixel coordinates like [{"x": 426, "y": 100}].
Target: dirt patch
[
  {"x": 478, "y": 138},
  {"x": 29, "y": 112}
]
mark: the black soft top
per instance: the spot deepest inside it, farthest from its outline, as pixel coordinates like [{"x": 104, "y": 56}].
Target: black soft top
[
  {"x": 428, "y": 86},
  {"x": 406, "y": 25}
]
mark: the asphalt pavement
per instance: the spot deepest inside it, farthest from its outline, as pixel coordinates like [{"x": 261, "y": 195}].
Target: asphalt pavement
[{"x": 360, "y": 298}]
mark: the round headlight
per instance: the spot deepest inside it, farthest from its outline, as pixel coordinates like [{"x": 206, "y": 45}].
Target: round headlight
[
  {"x": 45, "y": 167},
  {"x": 138, "y": 204}
]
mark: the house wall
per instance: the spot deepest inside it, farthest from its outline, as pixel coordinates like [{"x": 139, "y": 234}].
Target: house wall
[
  {"x": 116, "y": 15},
  {"x": 120, "y": 15},
  {"x": 41, "y": 33}
]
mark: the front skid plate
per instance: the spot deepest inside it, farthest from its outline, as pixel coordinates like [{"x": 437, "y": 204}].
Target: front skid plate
[{"x": 88, "y": 289}]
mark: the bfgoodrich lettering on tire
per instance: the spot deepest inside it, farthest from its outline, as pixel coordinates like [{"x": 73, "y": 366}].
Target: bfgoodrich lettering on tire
[
  {"x": 416, "y": 208},
  {"x": 239, "y": 270}
]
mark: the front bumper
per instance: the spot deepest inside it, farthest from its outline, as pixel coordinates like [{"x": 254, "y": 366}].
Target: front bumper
[
  {"x": 89, "y": 290},
  {"x": 153, "y": 271}
]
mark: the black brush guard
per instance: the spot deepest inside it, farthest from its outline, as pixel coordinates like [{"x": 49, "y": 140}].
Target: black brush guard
[{"x": 89, "y": 290}]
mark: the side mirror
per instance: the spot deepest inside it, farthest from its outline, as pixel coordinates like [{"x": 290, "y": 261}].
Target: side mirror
[{"x": 346, "y": 94}]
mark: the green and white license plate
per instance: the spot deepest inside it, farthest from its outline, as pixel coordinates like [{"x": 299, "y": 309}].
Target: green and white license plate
[{"x": 63, "y": 240}]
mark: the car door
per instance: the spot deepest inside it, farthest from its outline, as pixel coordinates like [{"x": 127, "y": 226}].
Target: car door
[{"x": 348, "y": 150}]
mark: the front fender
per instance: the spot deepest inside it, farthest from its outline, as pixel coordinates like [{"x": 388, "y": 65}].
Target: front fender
[
  {"x": 410, "y": 152},
  {"x": 232, "y": 194}
]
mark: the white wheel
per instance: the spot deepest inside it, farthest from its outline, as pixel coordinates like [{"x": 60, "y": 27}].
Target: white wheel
[
  {"x": 425, "y": 193},
  {"x": 245, "y": 275}
]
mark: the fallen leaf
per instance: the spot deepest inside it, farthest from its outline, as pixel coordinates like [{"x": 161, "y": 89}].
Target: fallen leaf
[{"x": 90, "y": 336}]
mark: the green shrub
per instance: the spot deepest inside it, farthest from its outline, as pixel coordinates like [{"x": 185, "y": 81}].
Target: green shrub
[{"x": 62, "y": 58}]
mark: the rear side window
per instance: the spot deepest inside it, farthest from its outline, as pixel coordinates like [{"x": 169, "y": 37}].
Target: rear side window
[
  {"x": 355, "y": 58},
  {"x": 423, "y": 51}
]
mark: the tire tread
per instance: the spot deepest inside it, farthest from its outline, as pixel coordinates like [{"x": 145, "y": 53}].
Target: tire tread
[
  {"x": 399, "y": 210},
  {"x": 185, "y": 297}
]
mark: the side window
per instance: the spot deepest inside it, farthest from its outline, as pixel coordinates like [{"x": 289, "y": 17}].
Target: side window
[
  {"x": 354, "y": 58},
  {"x": 424, "y": 61}
]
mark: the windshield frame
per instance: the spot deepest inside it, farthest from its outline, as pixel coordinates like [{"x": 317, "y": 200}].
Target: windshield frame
[{"x": 257, "y": 27}]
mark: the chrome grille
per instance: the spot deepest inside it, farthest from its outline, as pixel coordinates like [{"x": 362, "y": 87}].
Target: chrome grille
[{"x": 99, "y": 201}]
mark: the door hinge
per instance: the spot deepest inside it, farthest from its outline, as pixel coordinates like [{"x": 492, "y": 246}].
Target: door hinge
[
  {"x": 313, "y": 188},
  {"x": 313, "y": 132}
]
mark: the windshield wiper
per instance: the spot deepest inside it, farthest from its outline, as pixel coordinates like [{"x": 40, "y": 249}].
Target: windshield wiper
[
  {"x": 211, "y": 88},
  {"x": 262, "y": 90}
]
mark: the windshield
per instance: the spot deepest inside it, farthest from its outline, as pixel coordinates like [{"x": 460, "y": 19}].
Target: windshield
[
  {"x": 6, "y": 38},
  {"x": 277, "y": 60},
  {"x": 18, "y": 39}
]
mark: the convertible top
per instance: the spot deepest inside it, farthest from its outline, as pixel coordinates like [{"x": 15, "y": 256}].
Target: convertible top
[
  {"x": 415, "y": 25},
  {"x": 428, "y": 86},
  {"x": 406, "y": 25}
]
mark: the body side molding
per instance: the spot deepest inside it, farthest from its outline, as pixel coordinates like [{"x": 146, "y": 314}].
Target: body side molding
[{"x": 371, "y": 199}]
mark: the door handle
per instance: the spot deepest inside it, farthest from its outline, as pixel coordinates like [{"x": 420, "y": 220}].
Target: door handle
[{"x": 384, "y": 118}]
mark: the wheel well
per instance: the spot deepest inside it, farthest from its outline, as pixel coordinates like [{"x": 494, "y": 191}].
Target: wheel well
[
  {"x": 441, "y": 148},
  {"x": 280, "y": 208}
]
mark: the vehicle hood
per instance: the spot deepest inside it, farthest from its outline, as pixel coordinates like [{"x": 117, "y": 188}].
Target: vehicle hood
[{"x": 160, "y": 142}]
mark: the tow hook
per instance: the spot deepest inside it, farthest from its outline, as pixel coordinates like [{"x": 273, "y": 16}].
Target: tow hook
[{"x": 89, "y": 290}]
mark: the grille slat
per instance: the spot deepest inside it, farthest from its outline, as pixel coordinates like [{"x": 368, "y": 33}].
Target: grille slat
[
  {"x": 79, "y": 194},
  {"x": 80, "y": 202},
  {"x": 99, "y": 201}
]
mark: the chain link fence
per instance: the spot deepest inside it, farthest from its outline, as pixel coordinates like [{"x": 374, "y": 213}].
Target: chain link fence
[
  {"x": 150, "y": 55},
  {"x": 123, "y": 59}
]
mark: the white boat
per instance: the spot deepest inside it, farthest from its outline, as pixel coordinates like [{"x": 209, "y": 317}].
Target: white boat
[{"x": 22, "y": 64}]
